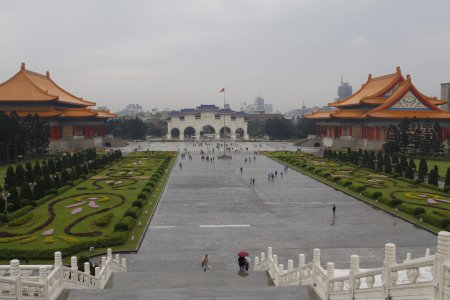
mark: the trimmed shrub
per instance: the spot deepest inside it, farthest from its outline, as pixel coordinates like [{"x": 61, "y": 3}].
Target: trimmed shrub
[
  {"x": 143, "y": 196},
  {"x": 395, "y": 202},
  {"x": 104, "y": 220},
  {"x": 418, "y": 181},
  {"x": 21, "y": 221},
  {"x": 406, "y": 209},
  {"x": 418, "y": 211},
  {"x": 20, "y": 212},
  {"x": 133, "y": 212},
  {"x": 360, "y": 188},
  {"x": 335, "y": 179},
  {"x": 376, "y": 195},
  {"x": 347, "y": 183},
  {"x": 70, "y": 183},
  {"x": 137, "y": 203},
  {"x": 147, "y": 189},
  {"x": 125, "y": 224}
]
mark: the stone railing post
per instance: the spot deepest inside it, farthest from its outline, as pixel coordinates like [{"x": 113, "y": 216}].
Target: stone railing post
[
  {"x": 269, "y": 252},
  {"x": 301, "y": 260},
  {"x": 442, "y": 256},
  {"x": 117, "y": 259},
  {"x": 316, "y": 256},
  {"x": 275, "y": 260},
  {"x": 290, "y": 268},
  {"x": 97, "y": 272},
  {"x": 330, "y": 275},
  {"x": 43, "y": 273},
  {"x": 256, "y": 262},
  {"x": 354, "y": 269},
  {"x": 263, "y": 257},
  {"x": 87, "y": 268},
  {"x": 103, "y": 262},
  {"x": 389, "y": 261},
  {"x": 109, "y": 253},
  {"x": 58, "y": 264},
  {"x": 15, "y": 275},
  {"x": 427, "y": 252},
  {"x": 74, "y": 263},
  {"x": 124, "y": 264}
]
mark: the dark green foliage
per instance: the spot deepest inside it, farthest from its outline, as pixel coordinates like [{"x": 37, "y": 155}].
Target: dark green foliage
[
  {"x": 447, "y": 177},
  {"x": 104, "y": 220},
  {"x": 20, "y": 175},
  {"x": 14, "y": 201},
  {"x": 137, "y": 203},
  {"x": 37, "y": 169},
  {"x": 21, "y": 220},
  {"x": 387, "y": 163},
  {"x": 418, "y": 211},
  {"x": 25, "y": 192},
  {"x": 395, "y": 202},
  {"x": 433, "y": 176},
  {"x": 10, "y": 179},
  {"x": 409, "y": 173},
  {"x": 423, "y": 168}
]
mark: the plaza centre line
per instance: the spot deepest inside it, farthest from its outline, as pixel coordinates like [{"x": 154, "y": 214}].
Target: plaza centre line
[{"x": 224, "y": 226}]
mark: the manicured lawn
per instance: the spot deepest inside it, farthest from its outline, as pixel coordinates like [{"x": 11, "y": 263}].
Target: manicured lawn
[
  {"x": 442, "y": 165},
  {"x": 400, "y": 197},
  {"x": 112, "y": 190}
]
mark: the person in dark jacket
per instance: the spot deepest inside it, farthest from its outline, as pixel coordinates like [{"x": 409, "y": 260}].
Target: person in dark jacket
[{"x": 241, "y": 262}]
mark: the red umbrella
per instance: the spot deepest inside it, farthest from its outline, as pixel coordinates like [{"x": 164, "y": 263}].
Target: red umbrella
[{"x": 243, "y": 253}]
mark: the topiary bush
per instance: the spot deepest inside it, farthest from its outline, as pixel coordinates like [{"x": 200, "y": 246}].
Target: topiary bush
[
  {"x": 104, "y": 220},
  {"x": 137, "y": 203},
  {"x": 376, "y": 195},
  {"x": 395, "y": 202},
  {"x": 21, "y": 221},
  {"x": 418, "y": 211}
]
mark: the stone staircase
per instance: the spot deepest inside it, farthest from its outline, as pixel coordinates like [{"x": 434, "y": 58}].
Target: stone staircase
[{"x": 191, "y": 285}]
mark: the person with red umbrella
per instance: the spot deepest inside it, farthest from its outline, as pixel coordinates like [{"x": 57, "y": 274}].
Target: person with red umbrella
[{"x": 242, "y": 261}]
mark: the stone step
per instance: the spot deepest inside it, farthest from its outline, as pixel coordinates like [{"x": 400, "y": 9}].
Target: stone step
[{"x": 204, "y": 292}]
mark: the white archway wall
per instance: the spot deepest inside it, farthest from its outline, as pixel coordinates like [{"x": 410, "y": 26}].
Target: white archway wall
[{"x": 204, "y": 120}]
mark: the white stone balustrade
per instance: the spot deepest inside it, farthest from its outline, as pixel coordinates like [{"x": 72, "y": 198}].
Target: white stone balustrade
[
  {"x": 46, "y": 282},
  {"x": 426, "y": 277}
]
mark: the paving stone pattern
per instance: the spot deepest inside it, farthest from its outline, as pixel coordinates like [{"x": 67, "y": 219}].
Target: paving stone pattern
[{"x": 210, "y": 208}]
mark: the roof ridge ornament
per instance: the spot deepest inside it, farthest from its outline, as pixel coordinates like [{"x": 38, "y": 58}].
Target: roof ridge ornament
[
  {"x": 22, "y": 66},
  {"x": 399, "y": 71},
  {"x": 370, "y": 76},
  {"x": 408, "y": 77},
  {"x": 47, "y": 74}
]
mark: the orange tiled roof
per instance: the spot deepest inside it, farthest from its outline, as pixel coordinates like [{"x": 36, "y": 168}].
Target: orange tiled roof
[
  {"x": 26, "y": 85},
  {"x": 350, "y": 113},
  {"x": 319, "y": 115},
  {"x": 105, "y": 114},
  {"x": 419, "y": 114},
  {"x": 77, "y": 112},
  {"x": 373, "y": 88}
]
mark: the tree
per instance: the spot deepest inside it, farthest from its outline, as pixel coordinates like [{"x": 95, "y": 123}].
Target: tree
[
  {"x": 412, "y": 164},
  {"x": 433, "y": 177},
  {"x": 20, "y": 175},
  {"x": 403, "y": 163},
  {"x": 256, "y": 128},
  {"x": 438, "y": 141},
  {"x": 447, "y": 177},
  {"x": 29, "y": 172},
  {"x": 25, "y": 192},
  {"x": 51, "y": 165},
  {"x": 14, "y": 200},
  {"x": 65, "y": 176},
  {"x": 404, "y": 137},
  {"x": 409, "y": 173},
  {"x": 365, "y": 159},
  {"x": 10, "y": 179},
  {"x": 387, "y": 163},
  {"x": 380, "y": 161},
  {"x": 392, "y": 140},
  {"x": 37, "y": 169},
  {"x": 423, "y": 169},
  {"x": 39, "y": 188}
]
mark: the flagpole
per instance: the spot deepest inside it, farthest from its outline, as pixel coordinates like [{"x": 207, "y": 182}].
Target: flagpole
[{"x": 224, "y": 128}]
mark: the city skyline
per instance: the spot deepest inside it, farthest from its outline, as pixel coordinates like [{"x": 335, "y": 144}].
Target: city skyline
[{"x": 179, "y": 54}]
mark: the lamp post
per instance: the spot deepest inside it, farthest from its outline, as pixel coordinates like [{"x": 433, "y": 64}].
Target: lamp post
[{"x": 5, "y": 195}]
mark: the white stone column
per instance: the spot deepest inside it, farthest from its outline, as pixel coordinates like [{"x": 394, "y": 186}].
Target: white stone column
[
  {"x": 73, "y": 263},
  {"x": 389, "y": 261},
  {"x": 354, "y": 269},
  {"x": 301, "y": 260},
  {"x": 441, "y": 257},
  {"x": 15, "y": 275},
  {"x": 87, "y": 268},
  {"x": 316, "y": 256},
  {"x": 58, "y": 259},
  {"x": 330, "y": 275},
  {"x": 269, "y": 252}
]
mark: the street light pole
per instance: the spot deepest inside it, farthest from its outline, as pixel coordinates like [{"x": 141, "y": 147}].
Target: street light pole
[{"x": 5, "y": 196}]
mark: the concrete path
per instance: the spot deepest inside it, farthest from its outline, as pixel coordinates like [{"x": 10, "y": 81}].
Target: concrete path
[{"x": 211, "y": 208}]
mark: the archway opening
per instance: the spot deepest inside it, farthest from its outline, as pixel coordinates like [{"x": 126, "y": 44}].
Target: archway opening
[
  {"x": 227, "y": 132},
  {"x": 175, "y": 133},
  {"x": 208, "y": 132},
  {"x": 189, "y": 133},
  {"x": 240, "y": 133}
]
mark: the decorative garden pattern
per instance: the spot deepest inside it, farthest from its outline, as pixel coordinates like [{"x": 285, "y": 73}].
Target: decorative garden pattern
[
  {"x": 418, "y": 203},
  {"x": 100, "y": 211}
]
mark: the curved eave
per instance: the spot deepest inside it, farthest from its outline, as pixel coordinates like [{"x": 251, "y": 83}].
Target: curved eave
[
  {"x": 346, "y": 102},
  {"x": 419, "y": 114},
  {"x": 320, "y": 115}
]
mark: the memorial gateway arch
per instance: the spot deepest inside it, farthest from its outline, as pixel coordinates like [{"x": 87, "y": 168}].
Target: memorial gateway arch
[{"x": 207, "y": 121}]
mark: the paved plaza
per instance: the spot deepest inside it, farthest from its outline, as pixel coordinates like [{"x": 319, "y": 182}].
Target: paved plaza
[{"x": 211, "y": 208}]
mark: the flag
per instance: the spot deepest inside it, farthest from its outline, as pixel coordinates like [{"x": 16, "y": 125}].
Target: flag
[{"x": 222, "y": 90}]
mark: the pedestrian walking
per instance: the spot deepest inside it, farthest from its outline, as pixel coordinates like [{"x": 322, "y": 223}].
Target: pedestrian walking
[
  {"x": 241, "y": 263},
  {"x": 205, "y": 263},
  {"x": 181, "y": 166},
  {"x": 254, "y": 181},
  {"x": 334, "y": 209},
  {"x": 241, "y": 169}
]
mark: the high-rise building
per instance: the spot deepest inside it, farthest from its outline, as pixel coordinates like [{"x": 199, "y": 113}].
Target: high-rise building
[
  {"x": 259, "y": 103},
  {"x": 445, "y": 93},
  {"x": 344, "y": 90},
  {"x": 268, "y": 108}
]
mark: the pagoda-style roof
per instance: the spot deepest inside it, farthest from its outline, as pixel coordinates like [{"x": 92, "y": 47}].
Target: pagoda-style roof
[
  {"x": 390, "y": 96},
  {"x": 207, "y": 107},
  {"x": 29, "y": 86}
]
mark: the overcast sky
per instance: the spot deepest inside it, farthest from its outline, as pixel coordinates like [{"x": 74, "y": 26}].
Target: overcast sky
[{"x": 179, "y": 53}]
